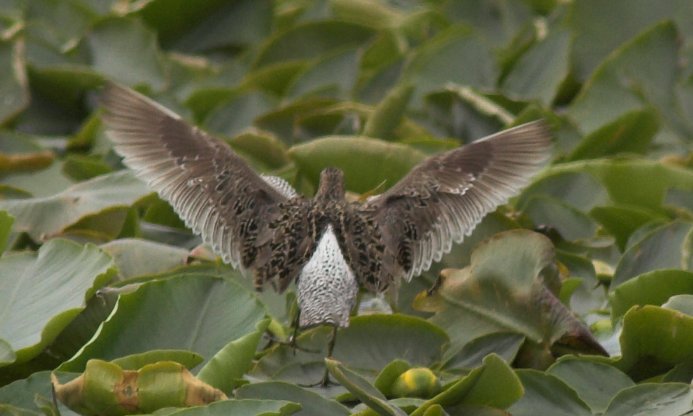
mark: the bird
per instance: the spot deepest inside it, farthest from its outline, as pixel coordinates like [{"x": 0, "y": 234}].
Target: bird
[{"x": 328, "y": 245}]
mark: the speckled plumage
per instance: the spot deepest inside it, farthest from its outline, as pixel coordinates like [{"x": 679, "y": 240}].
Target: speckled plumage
[{"x": 329, "y": 245}]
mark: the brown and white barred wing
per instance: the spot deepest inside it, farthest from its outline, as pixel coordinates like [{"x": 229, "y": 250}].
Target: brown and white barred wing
[
  {"x": 441, "y": 200},
  {"x": 212, "y": 189}
]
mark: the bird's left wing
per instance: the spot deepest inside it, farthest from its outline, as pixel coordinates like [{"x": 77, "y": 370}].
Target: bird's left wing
[
  {"x": 210, "y": 187},
  {"x": 443, "y": 198}
]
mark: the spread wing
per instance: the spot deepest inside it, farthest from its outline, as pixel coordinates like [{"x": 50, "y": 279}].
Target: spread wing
[
  {"x": 443, "y": 198},
  {"x": 210, "y": 187}
]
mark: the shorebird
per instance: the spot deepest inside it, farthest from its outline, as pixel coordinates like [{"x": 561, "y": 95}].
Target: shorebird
[{"x": 329, "y": 246}]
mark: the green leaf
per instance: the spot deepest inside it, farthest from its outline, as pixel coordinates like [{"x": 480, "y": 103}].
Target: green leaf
[
  {"x": 546, "y": 394},
  {"x": 571, "y": 223},
  {"x": 125, "y": 50},
  {"x": 655, "y": 399},
  {"x": 310, "y": 40},
  {"x": 388, "y": 113},
  {"x": 681, "y": 303},
  {"x": 362, "y": 389},
  {"x": 456, "y": 56},
  {"x": 596, "y": 36},
  {"x": 366, "y": 162},
  {"x": 13, "y": 79},
  {"x": 388, "y": 375},
  {"x": 622, "y": 220},
  {"x": 234, "y": 115},
  {"x": 6, "y": 221},
  {"x": 396, "y": 336},
  {"x": 626, "y": 80},
  {"x": 136, "y": 361},
  {"x": 594, "y": 382},
  {"x": 219, "y": 311},
  {"x": 263, "y": 407},
  {"x": 653, "y": 340},
  {"x": 45, "y": 217},
  {"x": 332, "y": 75},
  {"x": 506, "y": 294},
  {"x": 539, "y": 72},
  {"x": 135, "y": 257},
  {"x": 653, "y": 178},
  {"x": 493, "y": 384},
  {"x": 651, "y": 288},
  {"x": 42, "y": 292},
  {"x": 311, "y": 403},
  {"x": 229, "y": 364},
  {"x": 630, "y": 133},
  {"x": 667, "y": 247}
]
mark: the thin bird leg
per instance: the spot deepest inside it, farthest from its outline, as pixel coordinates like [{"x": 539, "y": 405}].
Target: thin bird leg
[{"x": 330, "y": 347}]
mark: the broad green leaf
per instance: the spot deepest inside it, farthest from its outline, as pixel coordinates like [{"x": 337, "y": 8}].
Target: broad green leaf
[
  {"x": 42, "y": 292},
  {"x": 388, "y": 113},
  {"x": 667, "y": 247},
  {"x": 82, "y": 168},
  {"x": 362, "y": 389},
  {"x": 45, "y": 182},
  {"x": 594, "y": 382},
  {"x": 631, "y": 133},
  {"x": 261, "y": 146},
  {"x": 21, "y": 393},
  {"x": 200, "y": 314},
  {"x": 6, "y": 221},
  {"x": 651, "y": 288},
  {"x": 504, "y": 345},
  {"x": 13, "y": 79},
  {"x": 375, "y": 14},
  {"x": 681, "y": 303},
  {"x": 310, "y": 40},
  {"x": 136, "y": 361},
  {"x": 600, "y": 27},
  {"x": 546, "y": 394},
  {"x": 498, "y": 22},
  {"x": 456, "y": 56},
  {"x": 333, "y": 75},
  {"x": 622, "y": 220},
  {"x": 571, "y": 223},
  {"x": 493, "y": 384},
  {"x": 311, "y": 403},
  {"x": 653, "y": 340},
  {"x": 576, "y": 188},
  {"x": 135, "y": 257},
  {"x": 388, "y": 375},
  {"x": 19, "y": 152},
  {"x": 225, "y": 25},
  {"x": 396, "y": 337},
  {"x": 506, "y": 293},
  {"x": 235, "y": 115},
  {"x": 538, "y": 74},
  {"x": 626, "y": 81},
  {"x": 125, "y": 50},
  {"x": 652, "y": 399},
  {"x": 229, "y": 364},
  {"x": 366, "y": 162},
  {"x": 653, "y": 179},
  {"x": 105, "y": 388},
  {"x": 45, "y": 217},
  {"x": 259, "y": 407}
]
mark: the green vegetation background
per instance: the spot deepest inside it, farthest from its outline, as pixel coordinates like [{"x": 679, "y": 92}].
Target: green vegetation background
[{"x": 96, "y": 266}]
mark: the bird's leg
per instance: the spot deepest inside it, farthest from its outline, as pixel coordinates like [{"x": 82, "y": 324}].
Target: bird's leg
[{"x": 330, "y": 347}]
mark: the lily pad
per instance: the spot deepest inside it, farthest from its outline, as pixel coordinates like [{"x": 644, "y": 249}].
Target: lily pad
[
  {"x": 42, "y": 292},
  {"x": 229, "y": 313}
]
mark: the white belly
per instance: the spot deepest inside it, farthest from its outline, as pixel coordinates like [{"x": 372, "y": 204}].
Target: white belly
[{"x": 327, "y": 287}]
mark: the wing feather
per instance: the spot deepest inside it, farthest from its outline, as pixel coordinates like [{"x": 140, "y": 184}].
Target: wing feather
[
  {"x": 210, "y": 187},
  {"x": 443, "y": 198}
]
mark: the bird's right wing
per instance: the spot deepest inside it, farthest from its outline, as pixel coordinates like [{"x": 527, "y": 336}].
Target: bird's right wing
[{"x": 210, "y": 187}]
